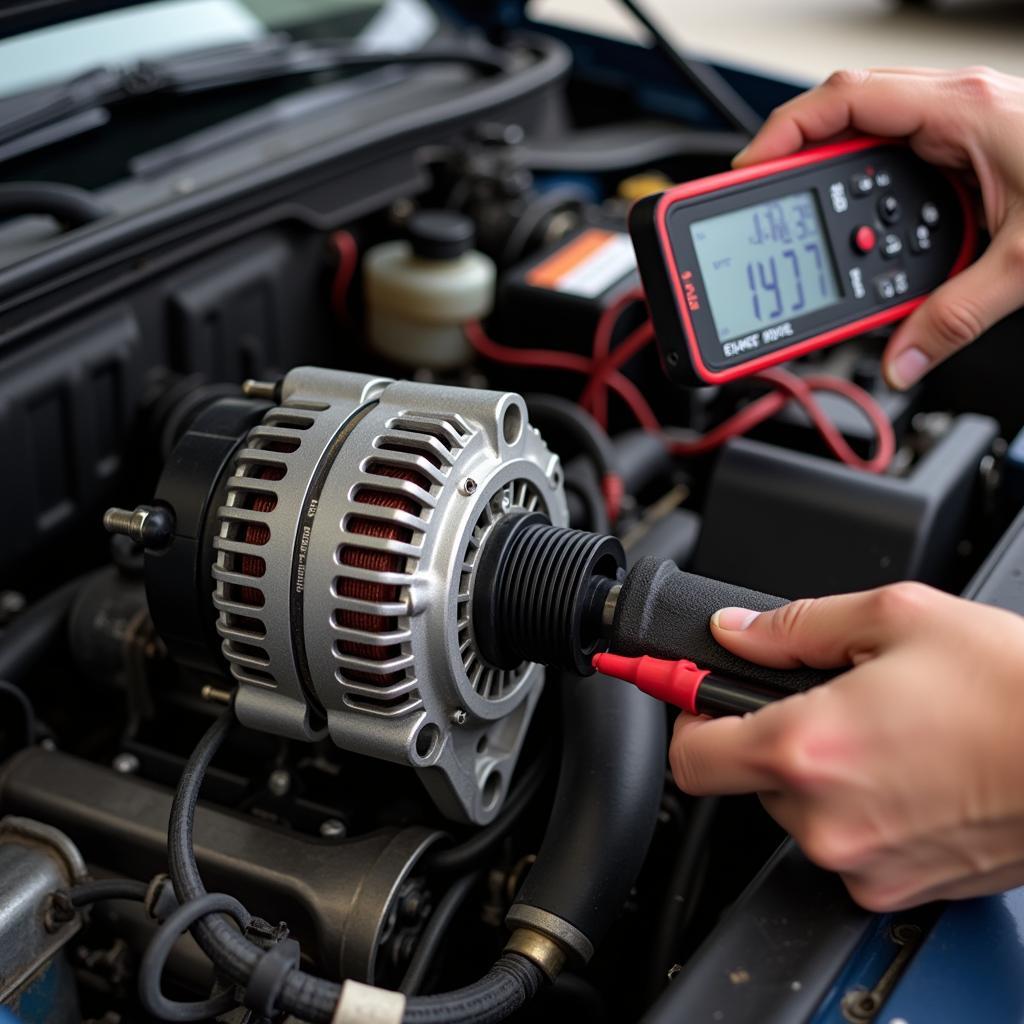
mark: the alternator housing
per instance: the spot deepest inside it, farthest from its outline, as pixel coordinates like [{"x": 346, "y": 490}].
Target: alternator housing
[{"x": 345, "y": 565}]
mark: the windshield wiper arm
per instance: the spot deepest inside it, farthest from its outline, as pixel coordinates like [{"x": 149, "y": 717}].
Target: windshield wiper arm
[
  {"x": 279, "y": 56},
  {"x": 47, "y": 105},
  {"x": 219, "y": 67}
]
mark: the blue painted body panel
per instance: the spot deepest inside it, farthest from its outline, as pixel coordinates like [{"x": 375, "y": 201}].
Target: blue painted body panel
[
  {"x": 863, "y": 970},
  {"x": 969, "y": 968}
]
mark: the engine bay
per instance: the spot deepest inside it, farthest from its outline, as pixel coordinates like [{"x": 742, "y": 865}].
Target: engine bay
[{"x": 276, "y": 386}]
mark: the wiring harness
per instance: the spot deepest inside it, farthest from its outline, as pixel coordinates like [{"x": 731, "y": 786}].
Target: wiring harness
[
  {"x": 602, "y": 368},
  {"x": 268, "y": 975}
]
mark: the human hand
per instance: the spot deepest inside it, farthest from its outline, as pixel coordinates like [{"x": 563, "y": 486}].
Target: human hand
[
  {"x": 972, "y": 119},
  {"x": 905, "y": 774}
]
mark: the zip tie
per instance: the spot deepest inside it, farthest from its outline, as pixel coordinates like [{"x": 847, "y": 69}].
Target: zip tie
[{"x": 366, "y": 1004}]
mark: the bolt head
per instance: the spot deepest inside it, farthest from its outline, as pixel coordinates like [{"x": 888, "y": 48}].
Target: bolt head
[
  {"x": 333, "y": 828},
  {"x": 460, "y": 716},
  {"x": 468, "y": 486}
]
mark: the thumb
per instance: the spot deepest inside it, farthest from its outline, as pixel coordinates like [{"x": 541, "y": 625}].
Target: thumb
[
  {"x": 825, "y": 632},
  {"x": 958, "y": 312}
]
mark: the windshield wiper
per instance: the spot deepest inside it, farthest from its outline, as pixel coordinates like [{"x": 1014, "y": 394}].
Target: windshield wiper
[{"x": 28, "y": 118}]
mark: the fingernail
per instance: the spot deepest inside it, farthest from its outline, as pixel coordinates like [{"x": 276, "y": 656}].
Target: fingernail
[
  {"x": 740, "y": 155},
  {"x": 908, "y": 368},
  {"x": 733, "y": 618}
]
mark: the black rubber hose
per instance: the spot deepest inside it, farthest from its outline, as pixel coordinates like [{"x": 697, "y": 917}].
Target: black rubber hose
[
  {"x": 66, "y": 902},
  {"x": 86, "y": 893},
  {"x": 642, "y": 458},
  {"x": 435, "y": 931},
  {"x": 606, "y": 805},
  {"x": 507, "y": 986},
  {"x": 154, "y": 1002},
  {"x": 70, "y": 205},
  {"x": 33, "y": 632},
  {"x": 234, "y": 954},
  {"x": 465, "y": 855},
  {"x": 552, "y": 415}
]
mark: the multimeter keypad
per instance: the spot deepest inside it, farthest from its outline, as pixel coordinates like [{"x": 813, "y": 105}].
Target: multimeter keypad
[
  {"x": 890, "y": 286},
  {"x": 889, "y": 209},
  {"x": 862, "y": 184},
  {"x": 921, "y": 238},
  {"x": 892, "y": 245}
]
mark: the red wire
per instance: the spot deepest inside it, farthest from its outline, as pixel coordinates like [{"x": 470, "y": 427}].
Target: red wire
[
  {"x": 547, "y": 359},
  {"x": 348, "y": 257},
  {"x": 790, "y": 387},
  {"x": 636, "y": 340},
  {"x": 598, "y": 397}
]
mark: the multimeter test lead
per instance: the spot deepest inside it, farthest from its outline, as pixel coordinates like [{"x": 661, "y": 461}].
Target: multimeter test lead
[{"x": 685, "y": 685}]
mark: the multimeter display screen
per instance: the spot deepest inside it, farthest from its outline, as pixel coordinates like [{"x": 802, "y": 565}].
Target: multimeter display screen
[{"x": 764, "y": 264}]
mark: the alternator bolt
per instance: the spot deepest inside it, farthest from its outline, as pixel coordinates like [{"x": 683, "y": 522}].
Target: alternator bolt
[
  {"x": 459, "y": 716},
  {"x": 468, "y": 486},
  {"x": 260, "y": 389},
  {"x": 215, "y": 695},
  {"x": 333, "y": 828},
  {"x": 148, "y": 525},
  {"x": 125, "y": 764}
]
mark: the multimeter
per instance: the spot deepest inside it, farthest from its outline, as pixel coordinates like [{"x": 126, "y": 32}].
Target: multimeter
[{"x": 752, "y": 267}]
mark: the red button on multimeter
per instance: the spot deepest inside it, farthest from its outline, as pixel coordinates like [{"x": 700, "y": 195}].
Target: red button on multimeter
[
  {"x": 750, "y": 268},
  {"x": 864, "y": 239}
]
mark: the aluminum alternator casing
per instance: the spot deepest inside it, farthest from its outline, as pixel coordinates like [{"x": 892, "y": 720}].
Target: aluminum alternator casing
[{"x": 344, "y": 573}]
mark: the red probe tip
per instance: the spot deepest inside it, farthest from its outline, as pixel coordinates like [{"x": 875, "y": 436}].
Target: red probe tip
[
  {"x": 616, "y": 665},
  {"x": 675, "y": 682}
]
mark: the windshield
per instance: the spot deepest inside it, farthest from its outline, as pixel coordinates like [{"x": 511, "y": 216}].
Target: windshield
[{"x": 162, "y": 27}]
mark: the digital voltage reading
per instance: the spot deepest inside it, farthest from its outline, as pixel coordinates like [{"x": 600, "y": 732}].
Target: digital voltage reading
[{"x": 764, "y": 263}]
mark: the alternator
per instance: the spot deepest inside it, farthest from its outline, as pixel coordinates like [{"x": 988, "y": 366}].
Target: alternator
[{"x": 346, "y": 546}]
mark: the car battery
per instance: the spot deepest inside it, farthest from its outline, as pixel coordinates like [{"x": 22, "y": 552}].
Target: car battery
[{"x": 555, "y": 299}]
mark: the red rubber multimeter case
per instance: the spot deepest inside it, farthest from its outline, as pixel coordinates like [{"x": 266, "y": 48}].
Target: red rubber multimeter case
[{"x": 885, "y": 229}]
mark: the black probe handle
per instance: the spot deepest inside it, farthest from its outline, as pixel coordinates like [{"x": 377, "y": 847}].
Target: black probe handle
[{"x": 664, "y": 612}]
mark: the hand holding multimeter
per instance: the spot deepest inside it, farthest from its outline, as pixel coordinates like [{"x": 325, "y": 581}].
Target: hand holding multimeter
[
  {"x": 881, "y": 777},
  {"x": 747, "y": 269}
]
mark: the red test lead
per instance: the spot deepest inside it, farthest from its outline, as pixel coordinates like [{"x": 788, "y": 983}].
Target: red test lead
[{"x": 684, "y": 685}]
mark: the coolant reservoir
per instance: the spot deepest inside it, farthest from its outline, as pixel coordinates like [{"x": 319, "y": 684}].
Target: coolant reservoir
[{"x": 421, "y": 291}]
